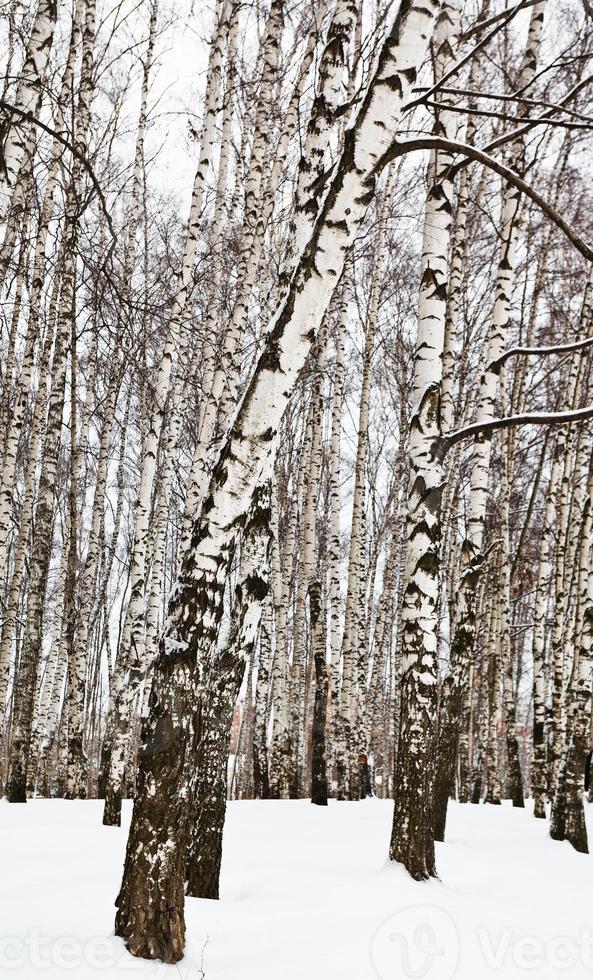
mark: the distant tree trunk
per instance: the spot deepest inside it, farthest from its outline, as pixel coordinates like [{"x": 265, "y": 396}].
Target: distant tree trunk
[
  {"x": 314, "y": 563},
  {"x": 25, "y": 682},
  {"x": 335, "y": 544},
  {"x": 261, "y": 779},
  {"x": 319, "y": 787},
  {"x": 568, "y": 816},
  {"x": 280, "y": 743},
  {"x": 463, "y": 638},
  {"x": 131, "y": 663},
  {"x": 515, "y": 778},
  {"x": 544, "y": 572},
  {"x": 491, "y": 768}
]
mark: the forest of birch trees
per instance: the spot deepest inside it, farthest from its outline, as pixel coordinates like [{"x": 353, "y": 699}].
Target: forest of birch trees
[{"x": 296, "y": 476}]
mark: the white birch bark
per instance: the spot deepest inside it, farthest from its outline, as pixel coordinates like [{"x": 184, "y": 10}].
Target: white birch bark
[
  {"x": 25, "y": 378},
  {"x": 501, "y": 315},
  {"x": 568, "y": 818},
  {"x": 29, "y": 487},
  {"x": 41, "y": 548},
  {"x": 540, "y": 629},
  {"x": 220, "y": 371},
  {"x": 261, "y": 780},
  {"x": 335, "y": 590},
  {"x": 412, "y": 841},
  {"x": 14, "y": 132},
  {"x": 196, "y": 605},
  {"x": 280, "y": 741},
  {"x": 131, "y": 653}
]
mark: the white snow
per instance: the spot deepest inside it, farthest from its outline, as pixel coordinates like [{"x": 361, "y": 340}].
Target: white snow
[{"x": 306, "y": 893}]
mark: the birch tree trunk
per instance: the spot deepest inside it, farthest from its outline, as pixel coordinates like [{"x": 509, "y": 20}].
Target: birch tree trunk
[
  {"x": 261, "y": 780},
  {"x": 24, "y": 380},
  {"x": 412, "y": 841},
  {"x": 41, "y": 548},
  {"x": 150, "y": 903},
  {"x": 205, "y": 850},
  {"x": 14, "y": 132},
  {"x": 462, "y": 643},
  {"x": 568, "y": 817},
  {"x": 131, "y": 666},
  {"x": 544, "y": 573}
]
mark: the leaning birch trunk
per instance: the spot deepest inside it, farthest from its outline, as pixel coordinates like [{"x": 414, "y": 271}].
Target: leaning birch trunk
[
  {"x": 221, "y": 376},
  {"x": 14, "y": 131},
  {"x": 222, "y": 382},
  {"x": 150, "y": 903}
]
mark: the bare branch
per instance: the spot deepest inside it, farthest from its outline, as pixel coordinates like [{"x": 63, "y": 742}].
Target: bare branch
[
  {"x": 536, "y": 351},
  {"x": 29, "y": 117},
  {"x": 510, "y": 421},
  {"x": 482, "y": 25},
  {"x": 493, "y": 114},
  {"x": 510, "y": 14},
  {"x": 473, "y": 153}
]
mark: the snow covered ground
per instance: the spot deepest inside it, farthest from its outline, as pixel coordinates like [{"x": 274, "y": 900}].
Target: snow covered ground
[{"x": 306, "y": 893}]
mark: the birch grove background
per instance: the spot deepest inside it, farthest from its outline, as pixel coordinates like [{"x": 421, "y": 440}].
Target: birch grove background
[{"x": 296, "y": 312}]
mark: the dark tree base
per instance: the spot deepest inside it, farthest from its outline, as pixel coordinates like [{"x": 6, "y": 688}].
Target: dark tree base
[
  {"x": 16, "y": 796},
  {"x": 415, "y": 852},
  {"x": 205, "y": 854},
  {"x": 515, "y": 775},
  {"x": 112, "y": 808},
  {"x": 150, "y": 904},
  {"x": 16, "y": 787},
  {"x": 568, "y": 813},
  {"x": 476, "y": 791},
  {"x": 156, "y": 934},
  {"x": 319, "y": 787}
]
